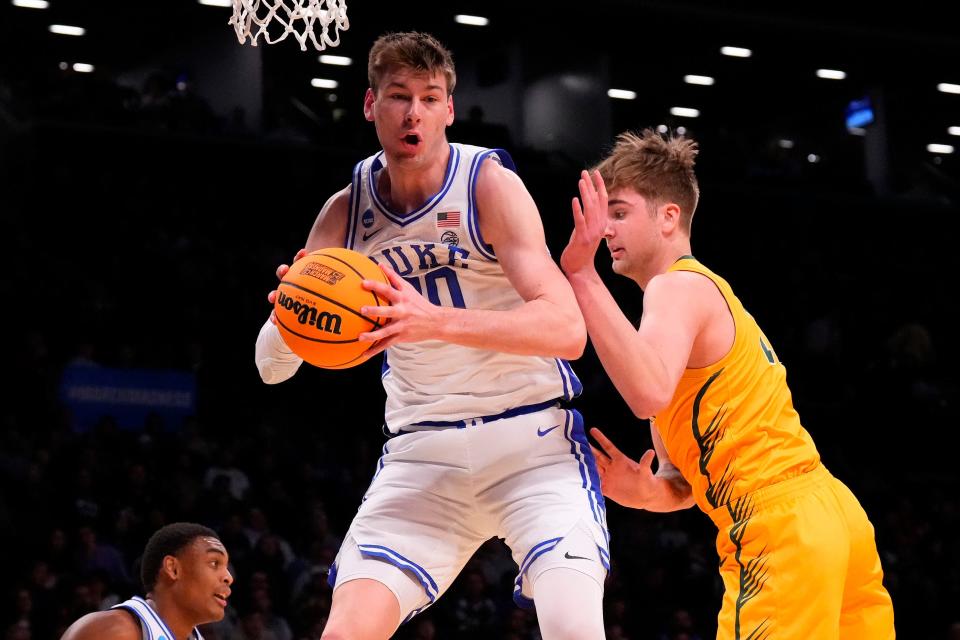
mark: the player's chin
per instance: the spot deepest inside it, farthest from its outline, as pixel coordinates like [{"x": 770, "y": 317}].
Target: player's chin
[{"x": 217, "y": 613}]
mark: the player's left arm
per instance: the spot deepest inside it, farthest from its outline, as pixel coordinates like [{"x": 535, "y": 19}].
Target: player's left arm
[
  {"x": 548, "y": 323},
  {"x": 645, "y": 364},
  {"x": 647, "y": 369}
]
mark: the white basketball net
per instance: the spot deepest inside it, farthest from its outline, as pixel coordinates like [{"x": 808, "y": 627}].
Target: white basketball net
[{"x": 253, "y": 18}]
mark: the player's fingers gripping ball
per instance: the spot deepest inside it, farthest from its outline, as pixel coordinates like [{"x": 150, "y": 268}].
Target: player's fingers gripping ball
[{"x": 318, "y": 307}]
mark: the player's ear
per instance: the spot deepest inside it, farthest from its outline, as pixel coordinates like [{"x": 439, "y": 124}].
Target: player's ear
[
  {"x": 368, "y": 99},
  {"x": 670, "y": 213},
  {"x": 449, "y": 110},
  {"x": 171, "y": 567}
]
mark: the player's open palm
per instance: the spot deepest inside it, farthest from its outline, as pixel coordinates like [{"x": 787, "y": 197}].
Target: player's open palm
[
  {"x": 625, "y": 481},
  {"x": 589, "y": 223},
  {"x": 410, "y": 317}
]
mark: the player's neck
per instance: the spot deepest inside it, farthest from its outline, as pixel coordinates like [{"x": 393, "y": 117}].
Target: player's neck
[
  {"x": 174, "y": 619},
  {"x": 662, "y": 262},
  {"x": 406, "y": 186}
]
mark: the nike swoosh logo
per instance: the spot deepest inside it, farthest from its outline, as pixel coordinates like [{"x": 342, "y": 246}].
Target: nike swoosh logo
[
  {"x": 543, "y": 432},
  {"x": 570, "y": 557},
  {"x": 367, "y": 236}
]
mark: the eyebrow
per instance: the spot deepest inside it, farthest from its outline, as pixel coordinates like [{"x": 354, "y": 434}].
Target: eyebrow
[
  {"x": 617, "y": 201},
  {"x": 216, "y": 550},
  {"x": 401, "y": 85}
]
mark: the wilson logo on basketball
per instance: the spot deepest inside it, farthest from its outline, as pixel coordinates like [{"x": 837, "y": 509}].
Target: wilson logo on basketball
[
  {"x": 308, "y": 314},
  {"x": 322, "y": 272}
]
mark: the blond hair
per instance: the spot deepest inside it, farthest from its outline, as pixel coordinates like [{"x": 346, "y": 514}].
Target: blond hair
[
  {"x": 659, "y": 168},
  {"x": 414, "y": 50}
]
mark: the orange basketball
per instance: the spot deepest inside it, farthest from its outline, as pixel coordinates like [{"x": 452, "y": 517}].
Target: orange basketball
[{"x": 318, "y": 306}]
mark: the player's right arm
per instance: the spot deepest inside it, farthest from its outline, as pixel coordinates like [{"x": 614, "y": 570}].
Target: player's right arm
[
  {"x": 104, "y": 625},
  {"x": 633, "y": 483},
  {"x": 275, "y": 361},
  {"x": 678, "y": 494}
]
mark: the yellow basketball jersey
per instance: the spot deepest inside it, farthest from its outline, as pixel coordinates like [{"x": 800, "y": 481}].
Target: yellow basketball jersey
[{"x": 731, "y": 427}]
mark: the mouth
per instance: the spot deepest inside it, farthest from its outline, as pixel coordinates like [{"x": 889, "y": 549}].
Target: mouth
[
  {"x": 616, "y": 252},
  {"x": 412, "y": 140},
  {"x": 221, "y": 598}
]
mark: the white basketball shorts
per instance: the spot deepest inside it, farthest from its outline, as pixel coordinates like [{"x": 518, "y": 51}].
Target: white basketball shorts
[{"x": 438, "y": 495}]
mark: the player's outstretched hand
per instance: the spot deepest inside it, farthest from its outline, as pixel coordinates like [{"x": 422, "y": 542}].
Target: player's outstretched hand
[
  {"x": 623, "y": 480},
  {"x": 589, "y": 222}
]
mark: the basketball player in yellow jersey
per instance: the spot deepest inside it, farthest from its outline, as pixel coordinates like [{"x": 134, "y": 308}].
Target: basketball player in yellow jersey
[{"x": 797, "y": 552}]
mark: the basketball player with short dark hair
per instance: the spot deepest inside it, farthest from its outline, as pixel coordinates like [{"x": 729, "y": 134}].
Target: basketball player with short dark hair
[{"x": 187, "y": 583}]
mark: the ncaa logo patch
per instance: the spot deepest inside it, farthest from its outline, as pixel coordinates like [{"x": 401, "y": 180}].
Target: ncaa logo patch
[
  {"x": 449, "y": 237},
  {"x": 367, "y": 219}
]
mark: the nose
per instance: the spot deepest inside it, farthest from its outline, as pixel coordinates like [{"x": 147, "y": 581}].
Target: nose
[
  {"x": 608, "y": 229},
  {"x": 413, "y": 111},
  {"x": 228, "y": 578}
]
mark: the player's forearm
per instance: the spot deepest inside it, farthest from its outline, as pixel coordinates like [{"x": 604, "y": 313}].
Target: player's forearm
[
  {"x": 674, "y": 492},
  {"x": 662, "y": 493},
  {"x": 538, "y": 327},
  {"x": 632, "y": 365},
  {"x": 275, "y": 361}
]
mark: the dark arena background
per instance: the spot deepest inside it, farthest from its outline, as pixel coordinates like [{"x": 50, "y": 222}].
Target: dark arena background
[{"x": 154, "y": 172}]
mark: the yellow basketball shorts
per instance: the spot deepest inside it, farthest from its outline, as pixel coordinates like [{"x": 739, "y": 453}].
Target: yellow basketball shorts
[{"x": 799, "y": 561}]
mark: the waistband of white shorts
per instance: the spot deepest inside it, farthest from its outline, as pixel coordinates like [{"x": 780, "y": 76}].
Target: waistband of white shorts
[{"x": 473, "y": 422}]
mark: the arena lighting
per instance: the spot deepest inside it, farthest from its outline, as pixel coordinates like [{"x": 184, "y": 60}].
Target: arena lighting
[
  {"x": 701, "y": 80},
  {"x": 831, "y": 74},
  {"x": 954, "y": 131},
  {"x": 216, "y": 3},
  {"x": 476, "y": 21},
  {"x": 684, "y": 112},
  {"x": 784, "y": 143},
  {"x": 736, "y": 52},
  {"x": 622, "y": 94},
  {"x": 339, "y": 61},
  {"x": 31, "y": 4},
  {"x": 947, "y": 87},
  {"x": 82, "y": 67},
  {"x": 67, "y": 30},
  {"x": 940, "y": 148},
  {"x": 859, "y": 113},
  {"x": 323, "y": 83}
]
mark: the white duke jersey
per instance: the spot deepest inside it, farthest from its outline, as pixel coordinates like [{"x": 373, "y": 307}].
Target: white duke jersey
[
  {"x": 151, "y": 625},
  {"x": 439, "y": 250}
]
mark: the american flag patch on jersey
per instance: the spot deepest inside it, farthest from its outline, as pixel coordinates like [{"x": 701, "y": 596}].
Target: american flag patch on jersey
[{"x": 448, "y": 219}]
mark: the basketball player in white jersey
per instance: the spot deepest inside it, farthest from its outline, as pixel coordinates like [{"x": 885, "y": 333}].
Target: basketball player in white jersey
[
  {"x": 184, "y": 571},
  {"x": 480, "y": 324}
]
